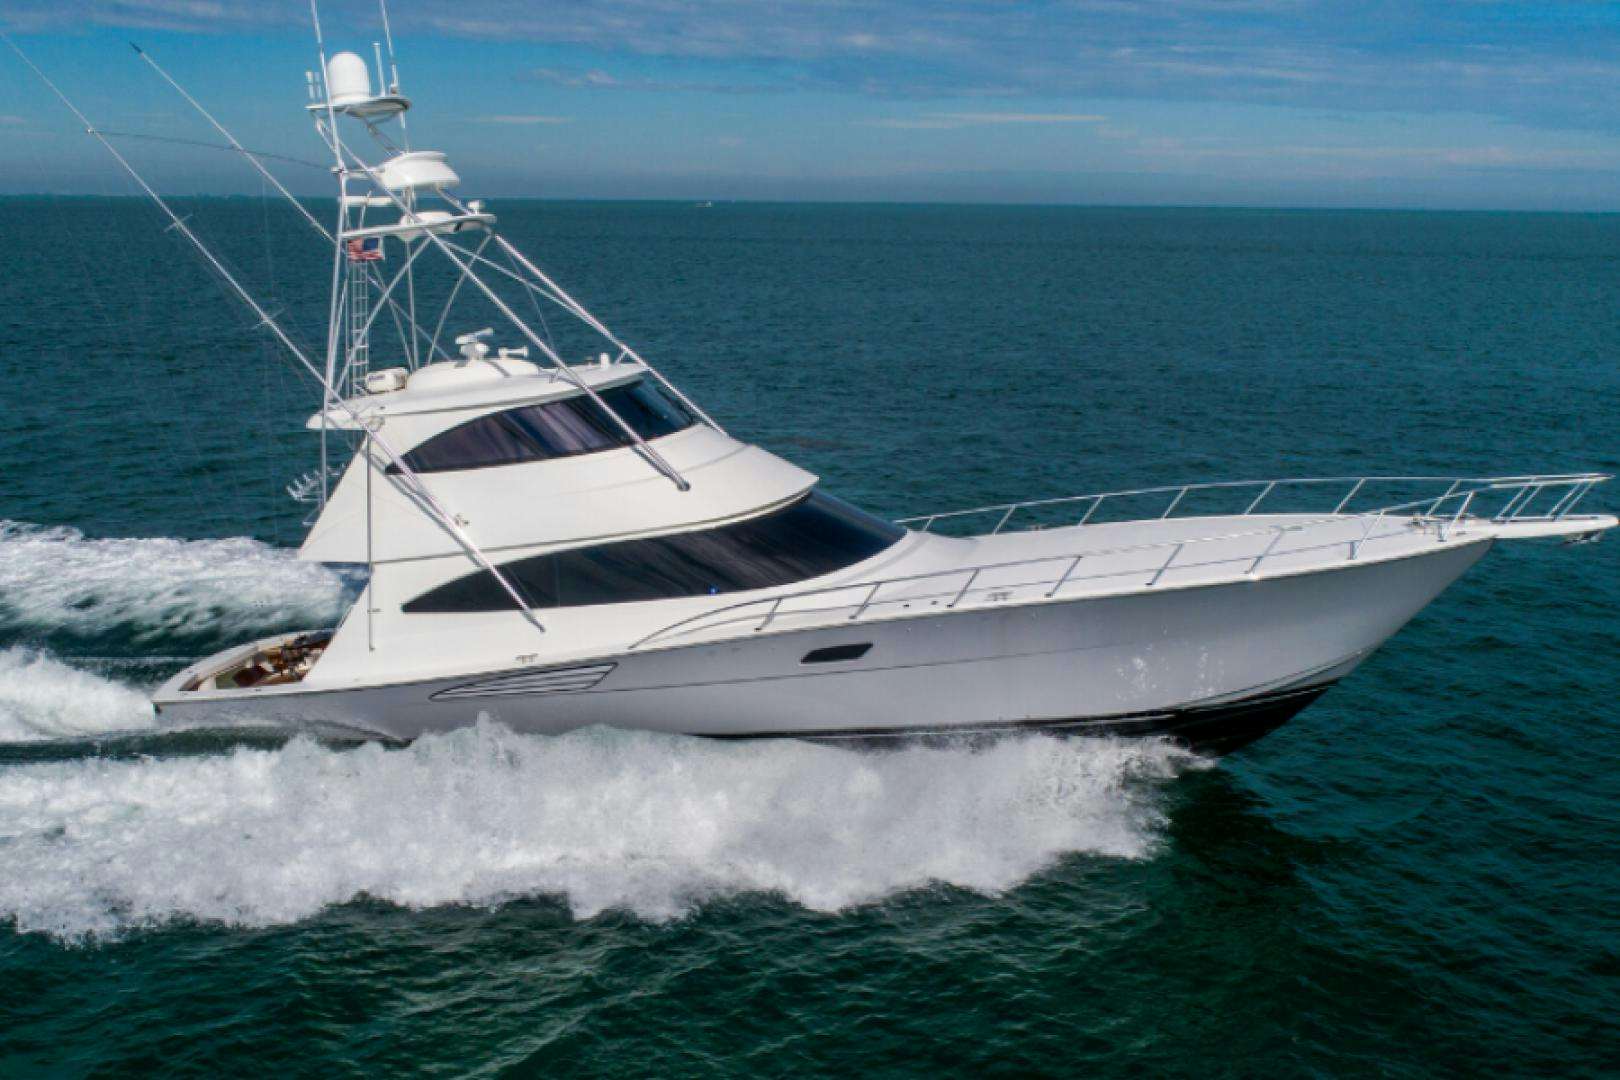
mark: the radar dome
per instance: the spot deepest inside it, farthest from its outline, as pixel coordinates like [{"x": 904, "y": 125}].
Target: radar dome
[{"x": 348, "y": 80}]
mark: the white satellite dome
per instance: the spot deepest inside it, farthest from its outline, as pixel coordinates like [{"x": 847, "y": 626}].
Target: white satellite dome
[{"x": 348, "y": 80}]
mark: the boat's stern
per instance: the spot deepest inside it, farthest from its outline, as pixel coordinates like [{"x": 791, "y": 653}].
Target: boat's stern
[{"x": 241, "y": 670}]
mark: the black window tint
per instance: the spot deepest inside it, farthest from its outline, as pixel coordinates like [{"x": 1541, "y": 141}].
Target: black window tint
[
  {"x": 816, "y": 535},
  {"x": 649, "y": 409},
  {"x": 565, "y": 428},
  {"x": 490, "y": 440},
  {"x": 555, "y": 429}
]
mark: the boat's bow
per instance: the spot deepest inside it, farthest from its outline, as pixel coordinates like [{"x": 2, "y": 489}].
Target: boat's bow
[{"x": 1581, "y": 529}]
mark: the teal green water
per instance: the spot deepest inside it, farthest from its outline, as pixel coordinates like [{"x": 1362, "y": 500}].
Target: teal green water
[{"x": 1417, "y": 876}]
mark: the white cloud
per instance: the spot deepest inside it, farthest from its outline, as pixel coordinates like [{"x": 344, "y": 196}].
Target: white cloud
[
  {"x": 1422, "y": 56},
  {"x": 595, "y": 78},
  {"x": 1023, "y": 118},
  {"x": 951, "y": 121},
  {"x": 922, "y": 124}
]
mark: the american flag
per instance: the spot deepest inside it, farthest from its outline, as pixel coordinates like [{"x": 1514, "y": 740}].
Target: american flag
[{"x": 365, "y": 249}]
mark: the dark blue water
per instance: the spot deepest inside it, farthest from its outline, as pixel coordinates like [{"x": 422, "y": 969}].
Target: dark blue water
[{"x": 1416, "y": 876}]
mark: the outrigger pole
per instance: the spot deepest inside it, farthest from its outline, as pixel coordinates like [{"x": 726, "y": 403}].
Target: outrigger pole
[
  {"x": 334, "y": 301},
  {"x": 253, "y": 158},
  {"x": 413, "y": 482},
  {"x": 314, "y": 223}
]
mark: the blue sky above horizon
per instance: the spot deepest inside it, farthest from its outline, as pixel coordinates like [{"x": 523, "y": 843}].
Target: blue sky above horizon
[{"x": 1467, "y": 103}]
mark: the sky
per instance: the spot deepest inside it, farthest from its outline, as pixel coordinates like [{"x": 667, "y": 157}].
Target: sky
[{"x": 1468, "y": 104}]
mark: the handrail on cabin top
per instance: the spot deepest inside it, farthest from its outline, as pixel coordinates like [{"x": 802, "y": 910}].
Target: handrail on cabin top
[{"x": 1178, "y": 492}]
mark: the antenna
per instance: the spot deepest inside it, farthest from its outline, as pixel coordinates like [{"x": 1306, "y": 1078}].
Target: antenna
[
  {"x": 326, "y": 89},
  {"x": 388, "y": 36},
  {"x": 393, "y": 73}
]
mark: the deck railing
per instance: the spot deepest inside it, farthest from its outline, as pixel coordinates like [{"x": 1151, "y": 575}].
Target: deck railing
[
  {"x": 1462, "y": 501},
  {"x": 1519, "y": 493}
]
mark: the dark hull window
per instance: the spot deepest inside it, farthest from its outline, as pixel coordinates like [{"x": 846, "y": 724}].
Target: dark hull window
[
  {"x": 816, "y": 535},
  {"x": 554, "y": 429}
]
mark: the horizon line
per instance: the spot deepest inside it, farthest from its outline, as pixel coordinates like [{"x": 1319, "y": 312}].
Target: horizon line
[{"x": 964, "y": 203}]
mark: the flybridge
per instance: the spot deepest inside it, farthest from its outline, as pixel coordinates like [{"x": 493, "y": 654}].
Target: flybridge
[{"x": 406, "y": 181}]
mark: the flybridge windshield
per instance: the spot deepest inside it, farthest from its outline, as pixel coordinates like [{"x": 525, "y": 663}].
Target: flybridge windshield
[
  {"x": 816, "y": 535},
  {"x": 555, "y": 429}
]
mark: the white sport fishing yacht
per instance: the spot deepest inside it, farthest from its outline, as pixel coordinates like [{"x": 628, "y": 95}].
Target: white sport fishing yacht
[{"x": 556, "y": 544}]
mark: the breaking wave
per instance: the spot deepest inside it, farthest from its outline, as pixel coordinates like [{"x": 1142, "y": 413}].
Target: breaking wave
[
  {"x": 56, "y": 581},
  {"x": 651, "y": 824},
  {"x": 42, "y": 698}
]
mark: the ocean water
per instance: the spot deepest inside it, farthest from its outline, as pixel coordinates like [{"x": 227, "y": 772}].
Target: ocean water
[{"x": 1417, "y": 876}]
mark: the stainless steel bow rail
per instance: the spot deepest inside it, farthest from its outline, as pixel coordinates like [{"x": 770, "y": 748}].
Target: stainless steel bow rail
[
  {"x": 1462, "y": 503},
  {"x": 1518, "y": 494}
]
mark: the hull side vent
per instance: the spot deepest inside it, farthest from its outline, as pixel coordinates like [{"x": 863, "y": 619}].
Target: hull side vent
[{"x": 555, "y": 681}]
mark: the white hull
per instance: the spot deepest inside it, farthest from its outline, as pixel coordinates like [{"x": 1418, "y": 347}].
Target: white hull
[{"x": 1218, "y": 663}]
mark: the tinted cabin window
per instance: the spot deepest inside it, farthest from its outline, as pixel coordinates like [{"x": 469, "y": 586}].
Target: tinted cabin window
[
  {"x": 554, "y": 429},
  {"x": 816, "y": 535}
]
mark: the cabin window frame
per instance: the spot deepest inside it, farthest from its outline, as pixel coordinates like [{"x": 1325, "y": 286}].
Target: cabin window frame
[{"x": 575, "y": 426}]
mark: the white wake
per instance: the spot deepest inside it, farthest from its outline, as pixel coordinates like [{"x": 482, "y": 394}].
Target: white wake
[
  {"x": 56, "y": 580},
  {"x": 42, "y": 699},
  {"x": 654, "y": 825}
]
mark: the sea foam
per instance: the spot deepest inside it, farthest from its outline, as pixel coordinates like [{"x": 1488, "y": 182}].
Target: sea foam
[
  {"x": 43, "y": 699},
  {"x": 55, "y": 580},
  {"x": 650, "y": 824}
]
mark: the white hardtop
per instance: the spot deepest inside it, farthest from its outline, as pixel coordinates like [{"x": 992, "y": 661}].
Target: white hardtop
[{"x": 482, "y": 384}]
